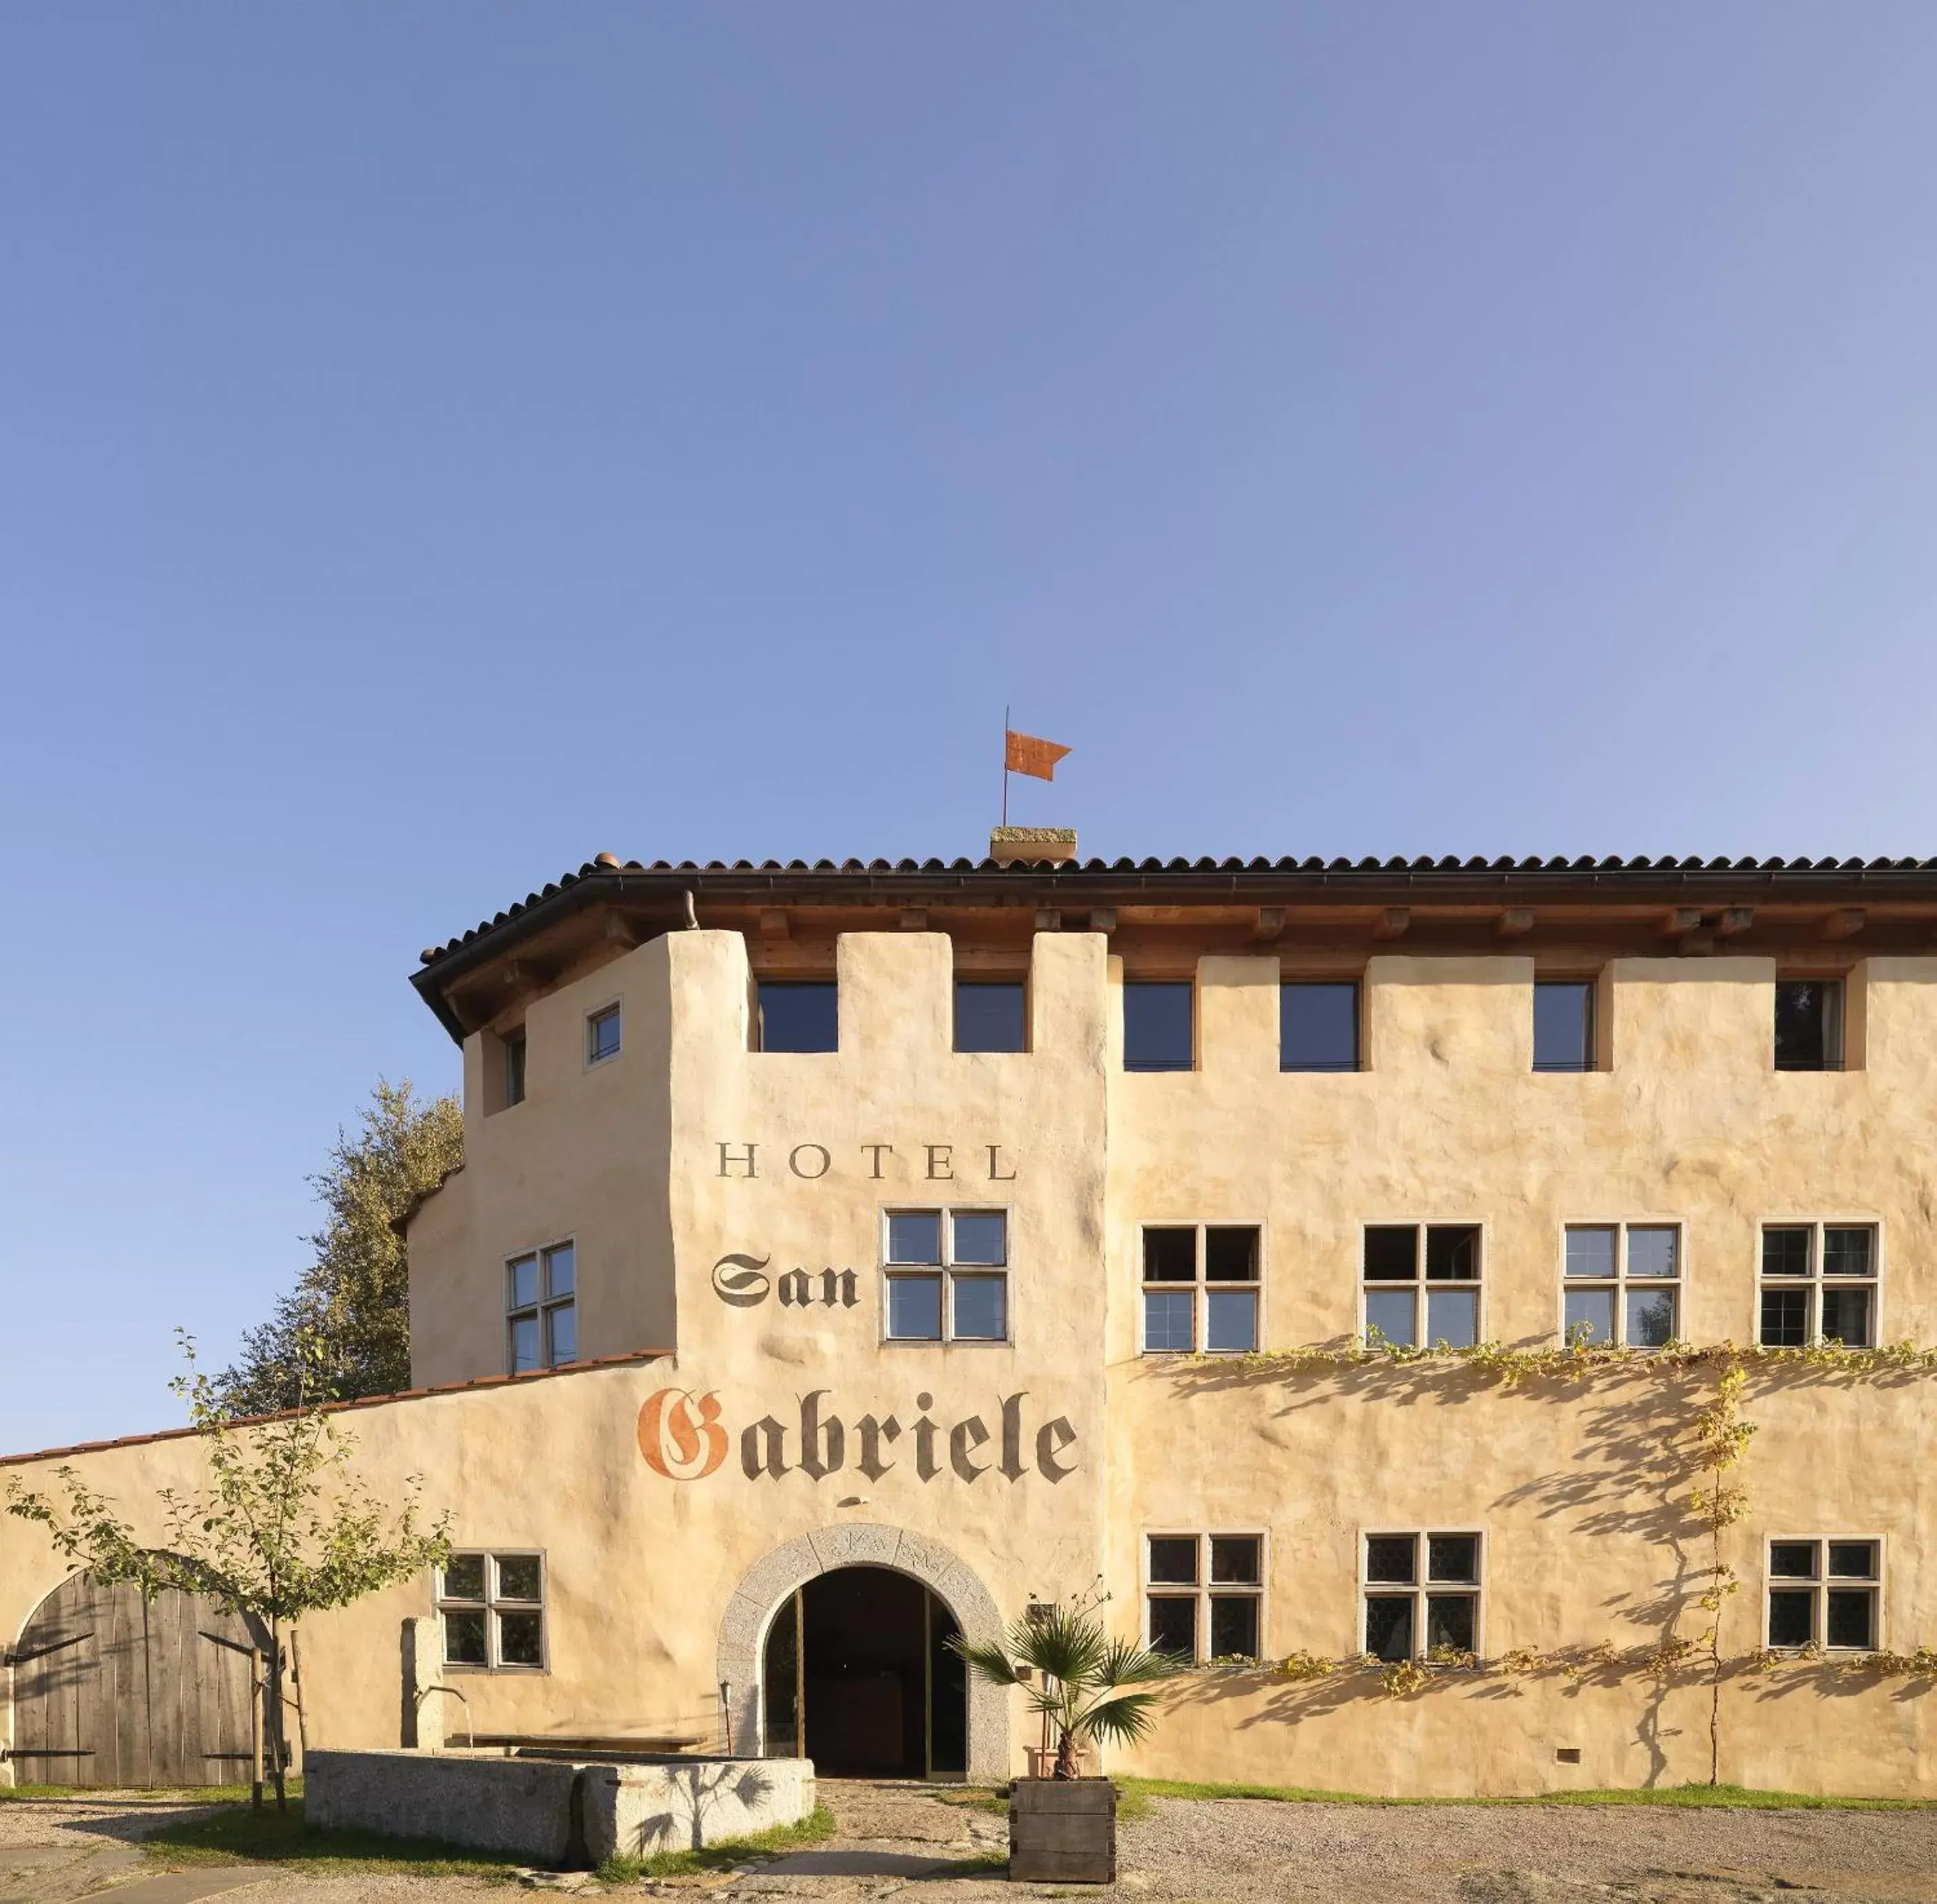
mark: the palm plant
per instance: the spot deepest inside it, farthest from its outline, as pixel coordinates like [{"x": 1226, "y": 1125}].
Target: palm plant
[{"x": 1085, "y": 1685}]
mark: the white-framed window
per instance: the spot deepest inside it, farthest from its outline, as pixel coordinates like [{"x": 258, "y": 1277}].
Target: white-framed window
[
  {"x": 1621, "y": 1283},
  {"x": 541, "y": 1308},
  {"x": 1204, "y": 1596},
  {"x": 1420, "y": 1590},
  {"x": 1201, "y": 1283},
  {"x": 1422, "y": 1284},
  {"x": 491, "y": 1605},
  {"x": 604, "y": 1035},
  {"x": 945, "y": 1275},
  {"x": 1826, "y": 1592},
  {"x": 1818, "y": 1282}
]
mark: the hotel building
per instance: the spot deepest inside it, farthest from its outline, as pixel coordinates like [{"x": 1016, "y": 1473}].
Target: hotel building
[{"x": 848, "y": 1255}]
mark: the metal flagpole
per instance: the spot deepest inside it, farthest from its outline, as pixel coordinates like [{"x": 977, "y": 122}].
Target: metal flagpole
[{"x": 1005, "y": 766}]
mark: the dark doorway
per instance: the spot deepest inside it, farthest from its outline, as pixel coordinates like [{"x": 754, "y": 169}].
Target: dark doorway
[{"x": 858, "y": 1674}]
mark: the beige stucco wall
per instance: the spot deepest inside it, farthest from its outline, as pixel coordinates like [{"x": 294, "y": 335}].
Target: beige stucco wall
[{"x": 1574, "y": 1488}]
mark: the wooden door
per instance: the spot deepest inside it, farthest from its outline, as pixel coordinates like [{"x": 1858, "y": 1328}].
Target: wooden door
[{"x": 111, "y": 1689}]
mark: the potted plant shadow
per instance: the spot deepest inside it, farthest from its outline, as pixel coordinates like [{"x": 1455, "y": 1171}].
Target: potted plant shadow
[{"x": 1090, "y": 1690}]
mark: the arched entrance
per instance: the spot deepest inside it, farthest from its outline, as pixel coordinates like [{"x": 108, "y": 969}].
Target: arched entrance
[
  {"x": 111, "y": 1689},
  {"x": 859, "y": 1676},
  {"x": 781, "y": 1615}
]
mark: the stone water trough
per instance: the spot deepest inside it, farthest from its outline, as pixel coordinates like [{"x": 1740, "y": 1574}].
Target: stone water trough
[{"x": 560, "y": 1811}]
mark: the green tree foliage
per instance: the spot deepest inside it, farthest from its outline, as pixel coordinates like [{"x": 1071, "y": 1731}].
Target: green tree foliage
[
  {"x": 352, "y": 1303},
  {"x": 1087, "y": 1685},
  {"x": 284, "y": 1526}
]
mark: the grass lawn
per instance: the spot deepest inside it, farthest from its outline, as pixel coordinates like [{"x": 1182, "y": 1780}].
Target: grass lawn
[
  {"x": 239, "y": 1834},
  {"x": 815, "y": 1829},
  {"x": 1137, "y": 1792}
]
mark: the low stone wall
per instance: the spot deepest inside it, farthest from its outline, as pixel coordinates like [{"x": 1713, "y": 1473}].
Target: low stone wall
[
  {"x": 555, "y": 1812},
  {"x": 681, "y": 1804}
]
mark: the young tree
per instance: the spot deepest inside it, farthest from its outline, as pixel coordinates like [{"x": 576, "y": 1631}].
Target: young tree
[
  {"x": 1087, "y": 1685},
  {"x": 353, "y": 1299},
  {"x": 283, "y": 1527}
]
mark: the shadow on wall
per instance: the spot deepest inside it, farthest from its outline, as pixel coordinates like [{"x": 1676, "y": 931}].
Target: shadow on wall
[{"x": 705, "y": 1791}]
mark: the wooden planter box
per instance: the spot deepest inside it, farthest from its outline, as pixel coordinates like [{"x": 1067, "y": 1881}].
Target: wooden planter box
[{"x": 1062, "y": 1831}]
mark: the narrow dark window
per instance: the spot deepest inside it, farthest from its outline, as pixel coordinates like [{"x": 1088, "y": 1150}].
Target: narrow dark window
[
  {"x": 1156, "y": 1026},
  {"x": 1808, "y": 1024},
  {"x": 990, "y": 1017},
  {"x": 514, "y": 1068},
  {"x": 798, "y": 1015},
  {"x": 1318, "y": 1027},
  {"x": 1563, "y": 1027}
]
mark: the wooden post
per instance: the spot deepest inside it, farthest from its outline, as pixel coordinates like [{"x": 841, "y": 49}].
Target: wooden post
[
  {"x": 255, "y": 1727},
  {"x": 302, "y": 1724}
]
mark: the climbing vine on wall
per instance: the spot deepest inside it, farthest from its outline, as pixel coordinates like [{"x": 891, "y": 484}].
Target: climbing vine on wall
[{"x": 1718, "y": 1437}]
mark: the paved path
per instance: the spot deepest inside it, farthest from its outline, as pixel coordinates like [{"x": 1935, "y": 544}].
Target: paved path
[{"x": 920, "y": 1846}]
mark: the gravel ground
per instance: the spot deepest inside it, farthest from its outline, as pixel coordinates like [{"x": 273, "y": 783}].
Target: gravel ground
[{"x": 900, "y": 1840}]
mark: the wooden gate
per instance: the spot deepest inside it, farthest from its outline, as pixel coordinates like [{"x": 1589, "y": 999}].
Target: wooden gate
[{"x": 110, "y": 1689}]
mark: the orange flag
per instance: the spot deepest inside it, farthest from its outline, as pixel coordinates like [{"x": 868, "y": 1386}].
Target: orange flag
[{"x": 1028, "y": 755}]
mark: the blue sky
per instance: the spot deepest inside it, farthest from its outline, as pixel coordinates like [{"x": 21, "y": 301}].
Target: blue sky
[{"x": 440, "y": 442}]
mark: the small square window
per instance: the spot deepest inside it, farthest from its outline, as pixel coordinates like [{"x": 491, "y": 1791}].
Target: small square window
[
  {"x": 1391, "y": 1312},
  {"x": 1318, "y": 1027},
  {"x": 1173, "y": 1560},
  {"x": 1234, "y": 1626},
  {"x": 465, "y": 1642},
  {"x": 1230, "y": 1254},
  {"x": 981, "y": 1305},
  {"x": 1651, "y": 1317},
  {"x": 991, "y": 1016},
  {"x": 914, "y": 1236},
  {"x": 464, "y": 1577},
  {"x": 492, "y": 1608},
  {"x": 1168, "y": 1315},
  {"x": 1453, "y": 1557},
  {"x": 1853, "y": 1559},
  {"x": 1785, "y": 1318},
  {"x": 520, "y": 1577},
  {"x": 1846, "y": 1317},
  {"x": 1392, "y": 1253},
  {"x": 521, "y": 1639},
  {"x": 1792, "y": 1560},
  {"x": 914, "y": 1308},
  {"x": 1392, "y": 1558},
  {"x": 797, "y": 1015},
  {"x": 602, "y": 1035},
  {"x": 1389, "y": 1625},
  {"x": 1157, "y": 1030},
  {"x": 1654, "y": 1249},
  {"x": 1846, "y": 1252},
  {"x": 1563, "y": 1027},
  {"x": 1590, "y": 1250},
  {"x": 1450, "y": 1620},
  {"x": 1170, "y": 1256},
  {"x": 1590, "y": 1317},
  {"x": 1791, "y": 1616},
  {"x": 1230, "y": 1321},
  {"x": 1173, "y": 1625},
  {"x": 1785, "y": 1251},
  {"x": 981, "y": 1237},
  {"x": 1452, "y": 1252},
  {"x": 1235, "y": 1560},
  {"x": 1851, "y": 1619},
  {"x": 1452, "y": 1318}
]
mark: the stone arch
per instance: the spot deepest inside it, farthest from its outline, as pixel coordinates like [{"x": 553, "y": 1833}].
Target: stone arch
[{"x": 750, "y": 1609}]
